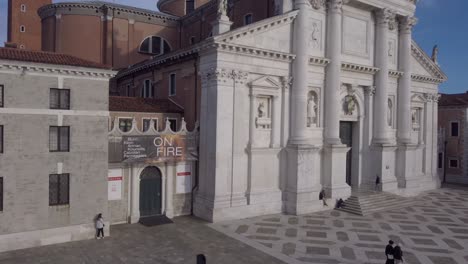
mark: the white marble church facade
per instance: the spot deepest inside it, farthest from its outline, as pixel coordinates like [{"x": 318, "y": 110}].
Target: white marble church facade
[{"x": 277, "y": 93}]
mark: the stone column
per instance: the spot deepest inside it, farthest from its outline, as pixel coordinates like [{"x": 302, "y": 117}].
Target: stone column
[
  {"x": 252, "y": 120},
  {"x": 333, "y": 73},
  {"x": 275, "y": 122},
  {"x": 135, "y": 194},
  {"x": 404, "y": 87},
  {"x": 300, "y": 75},
  {"x": 381, "y": 135}
]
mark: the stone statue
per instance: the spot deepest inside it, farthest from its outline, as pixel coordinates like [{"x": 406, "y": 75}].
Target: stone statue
[
  {"x": 261, "y": 110},
  {"x": 311, "y": 111},
  {"x": 390, "y": 49},
  {"x": 389, "y": 113},
  {"x": 315, "y": 37},
  {"x": 435, "y": 53},
  {"x": 222, "y": 7},
  {"x": 349, "y": 105}
]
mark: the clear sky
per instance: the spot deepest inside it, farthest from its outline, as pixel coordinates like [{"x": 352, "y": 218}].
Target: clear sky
[{"x": 441, "y": 22}]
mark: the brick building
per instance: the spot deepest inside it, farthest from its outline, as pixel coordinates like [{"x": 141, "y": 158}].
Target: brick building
[
  {"x": 24, "y": 24},
  {"x": 453, "y": 148}
]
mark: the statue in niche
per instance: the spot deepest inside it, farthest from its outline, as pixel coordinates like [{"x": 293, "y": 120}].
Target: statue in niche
[
  {"x": 315, "y": 36},
  {"x": 390, "y": 49},
  {"x": 435, "y": 53},
  {"x": 311, "y": 111},
  {"x": 261, "y": 110},
  {"x": 390, "y": 113},
  {"x": 349, "y": 105}
]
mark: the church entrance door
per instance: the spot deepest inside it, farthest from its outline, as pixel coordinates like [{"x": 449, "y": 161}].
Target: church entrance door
[
  {"x": 150, "y": 192},
  {"x": 346, "y": 136}
]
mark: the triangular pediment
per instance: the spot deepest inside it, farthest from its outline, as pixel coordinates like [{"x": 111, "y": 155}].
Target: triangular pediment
[
  {"x": 269, "y": 34},
  {"x": 268, "y": 82},
  {"x": 423, "y": 65}
]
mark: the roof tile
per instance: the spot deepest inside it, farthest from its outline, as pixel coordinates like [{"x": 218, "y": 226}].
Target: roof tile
[{"x": 142, "y": 105}]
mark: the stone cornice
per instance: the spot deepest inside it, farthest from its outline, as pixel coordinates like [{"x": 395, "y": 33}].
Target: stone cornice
[
  {"x": 102, "y": 7},
  {"x": 396, "y": 74},
  {"x": 320, "y": 61},
  {"x": 255, "y": 52},
  {"x": 359, "y": 68},
  {"x": 55, "y": 69},
  {"x": 426, "y": 79},
  {"x": 257, "y": 27},
  {"x": 427, "y": 63}
]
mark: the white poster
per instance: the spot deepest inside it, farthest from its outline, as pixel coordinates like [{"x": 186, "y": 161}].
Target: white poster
[
  {"x": 114, "y": 179},
  {"x": 183, "y": 179}
]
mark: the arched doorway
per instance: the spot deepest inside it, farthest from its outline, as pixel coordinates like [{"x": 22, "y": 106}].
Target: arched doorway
[{"x": 150, "y": 192}]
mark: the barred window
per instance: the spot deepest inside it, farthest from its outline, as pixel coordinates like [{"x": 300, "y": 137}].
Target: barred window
[
  {"x": 59, "y": 98},
  {"x": 1, "y": 194},
  {"x": 59, "y": 139},
  {"x": 59, "y": 189},
  {"x": 1, "y": 139},
  {"x": 1, "y": 95}
]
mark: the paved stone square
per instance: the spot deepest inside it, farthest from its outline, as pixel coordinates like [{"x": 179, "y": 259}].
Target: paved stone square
[
  {"x": 136, "y": 244},
  {"x": 434, "y": 231}
]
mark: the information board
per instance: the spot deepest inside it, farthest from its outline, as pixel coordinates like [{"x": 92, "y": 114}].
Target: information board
[
  {"x": 114, "y": 179},
  {"x": 183, "y": 179}
]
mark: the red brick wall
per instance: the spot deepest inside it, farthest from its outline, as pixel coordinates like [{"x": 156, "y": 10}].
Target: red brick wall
[
  {"x": 31, "y": 39},
  {"x": 455, "y": 145}
]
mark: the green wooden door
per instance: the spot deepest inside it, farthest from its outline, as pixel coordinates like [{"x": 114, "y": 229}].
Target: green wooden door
[{"x": 150, "y": 192}]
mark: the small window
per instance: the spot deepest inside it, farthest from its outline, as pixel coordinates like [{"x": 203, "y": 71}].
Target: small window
[
  {"x": 23, "y": 8},
  {"x": 1, "y": 138},
  {"x": 440, "y": 160},
  {"x": 155, "y": 46},
  {"x": 59, "y": 189},
  {"x": 147, "y": 123},
  {"x": 1, "y": 95},
  {"x": 127, "y": 91},
  {"x": 248, "y": 19},
  {"x": 125, "y": 124},
  {"x": 59, "y": 98},
  {"x": 172, "y": 84},
  {"x": 147, "y": 89},
  {"x": 189, "y": 6},
  {"x": 173, "y": 124},
  {"x": 59, "y": 139},
  {"x": 1, "y": 194},
  {"x": 22, "y": 28},
  {"x": 192, "y": 40},
  {"x": 453, "y": 163},
  {"x": 454, "y": 129}
]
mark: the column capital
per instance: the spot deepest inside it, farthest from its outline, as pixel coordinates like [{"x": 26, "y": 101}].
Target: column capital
[
  {"x": 385, "y": 16},
  {"x": 407, "y": 23},
  {"x": 335, "y": 5},
  {"x": 369, "y": 90},
  {"x": 317, "y": 4}
]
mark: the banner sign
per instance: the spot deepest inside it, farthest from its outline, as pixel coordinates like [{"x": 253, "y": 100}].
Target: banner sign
[
  {"x": 161, "y": 148},
  {"x": 114, "y": 189},
  {"x": 183, "y": 179}
]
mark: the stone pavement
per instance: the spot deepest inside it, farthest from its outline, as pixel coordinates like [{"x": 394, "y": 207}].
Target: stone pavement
[
  {"x": 434, "y": 231},
  {"x": 134, "y": 244}
]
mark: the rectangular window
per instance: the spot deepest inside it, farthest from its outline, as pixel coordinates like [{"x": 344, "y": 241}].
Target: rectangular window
[
  {"x": 1, "y": 194},
  {"x": 440, "y": 160},
  {"x": 59, "y": 189},
  {"x": 1, "y": 139},
  {"x": 190, "y": 6},
  {"x": 248, "y": 19},
  {"x": 147, "y": 123},
  {"x": 147, "y": 89},
  {"x": 125, "y": 124},
  {"x": 59, "y": 139},
  {"x": 173, "y": 124},
  {"x": 1, "y": 95},
  {"x": 453, "y": 163},
  {"x": 127, "y": 91},
  {"x": 454, "y": 129},
  {"x": 172, "y": 84},
  {"x": 59, "y": 98}
]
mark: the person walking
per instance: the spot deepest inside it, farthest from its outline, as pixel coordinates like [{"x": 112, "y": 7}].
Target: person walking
[
  {"x": 377, "y": 183},
  {"x": 389, "y": 253},
  {"x": 322, "y": 197},
  {"x": 99, "y": 226},
  {"x": 398, "y": 254}
]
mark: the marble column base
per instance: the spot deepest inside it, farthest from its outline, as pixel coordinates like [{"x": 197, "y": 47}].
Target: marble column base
[
  {"x": 405, "y": 161},
  {"x": 384, "y": 160},
  {"x": 334, "y": 168}
]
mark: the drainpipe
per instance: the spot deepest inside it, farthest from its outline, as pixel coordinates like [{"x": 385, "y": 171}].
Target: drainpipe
[{"x": 195, "y": 186}]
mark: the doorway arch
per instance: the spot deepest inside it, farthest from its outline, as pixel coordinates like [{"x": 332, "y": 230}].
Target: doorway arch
[{"x": 150, "y": 192}]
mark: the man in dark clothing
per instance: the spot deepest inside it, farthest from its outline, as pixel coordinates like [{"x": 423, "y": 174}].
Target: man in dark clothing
[
  {"x": 398, "y": 254},
  {"x": 339, "y": 204},
  {"x": 323, "y": 198},
  {"x": 389, "y": 252},
  {"x": 377, "y": 183}
]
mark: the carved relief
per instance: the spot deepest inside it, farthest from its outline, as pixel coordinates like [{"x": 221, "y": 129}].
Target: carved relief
[
  {"x": 390, "y": 113},
  {"x": 369, "y": 90},
  {"x": 386, "y": 16},
  {"x": 316, "y": 35},
  {"x": 349, "y": 105},
  {"x": 407, "y": 23},
  {"x": 335, "y": 5},
  {"x": 312, "y": 109}
]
